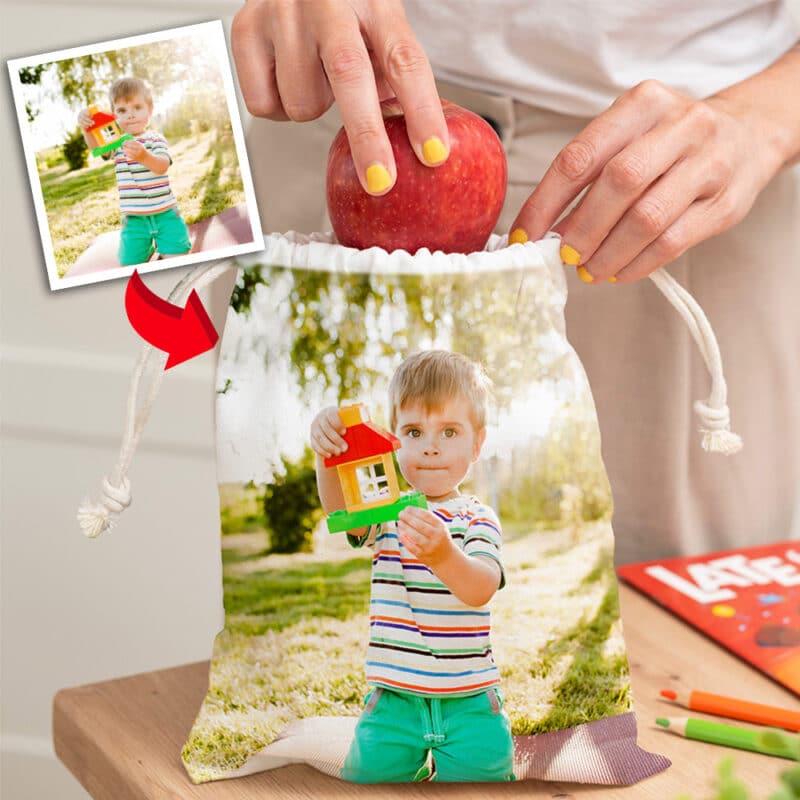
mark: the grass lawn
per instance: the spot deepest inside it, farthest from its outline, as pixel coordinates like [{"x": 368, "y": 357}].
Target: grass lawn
[
  {"x": 296, "y": 633},
  {"x": 82, "y": 204}
]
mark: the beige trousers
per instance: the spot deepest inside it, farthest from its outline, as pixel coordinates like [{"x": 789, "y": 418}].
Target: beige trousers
[{"x": 670, "y": 496}]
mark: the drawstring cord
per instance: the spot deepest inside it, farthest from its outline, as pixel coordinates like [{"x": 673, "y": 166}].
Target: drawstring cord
[
  {"x": 96, "y": 517},
  {"x": 715, "y": 417}
]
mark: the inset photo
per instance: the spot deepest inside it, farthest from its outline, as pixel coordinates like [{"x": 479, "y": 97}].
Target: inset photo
[{"x": 136, "y": 155}]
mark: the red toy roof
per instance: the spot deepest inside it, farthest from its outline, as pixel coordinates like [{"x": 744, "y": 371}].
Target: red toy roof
[
  {"x": 364, "y": 441},
  {"x": 100, "y": 119}
]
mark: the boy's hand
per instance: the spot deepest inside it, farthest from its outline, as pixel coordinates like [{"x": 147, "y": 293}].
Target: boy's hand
[
  {"x": 85, "y": 119},
  {"x": 327, "y": 431},
  {"x": 425, "y": 535},
  {"x": 134, "y": 151}
]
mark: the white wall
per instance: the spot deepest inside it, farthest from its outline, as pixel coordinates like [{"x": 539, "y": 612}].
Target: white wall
[{"x": 146, "y": 596}]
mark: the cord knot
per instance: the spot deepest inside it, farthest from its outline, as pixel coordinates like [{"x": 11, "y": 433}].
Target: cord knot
[
  {"x": 116, "y": 498},
  {"x": 95, "y": 518},
  {"x": 715, "y": 425}
]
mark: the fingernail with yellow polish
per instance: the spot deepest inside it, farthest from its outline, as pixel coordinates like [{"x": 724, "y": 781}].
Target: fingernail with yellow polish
[
  {"x": 569, "y": 255},
  {"x": 518, "y": 236},
  {"x": 434, "y": 151},
  {"x": 378, "y": 179},
  {"x": 585, "y": 275},
  {"x": 612, "y": 279}
]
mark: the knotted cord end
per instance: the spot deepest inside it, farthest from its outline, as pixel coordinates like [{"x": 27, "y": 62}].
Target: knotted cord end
[
  {"x": 716, "y": 429},
  {"x": 95, "y": 518}
]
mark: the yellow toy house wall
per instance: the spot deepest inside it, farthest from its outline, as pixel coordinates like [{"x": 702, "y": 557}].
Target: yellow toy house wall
[{"x": 348, "y": 478}]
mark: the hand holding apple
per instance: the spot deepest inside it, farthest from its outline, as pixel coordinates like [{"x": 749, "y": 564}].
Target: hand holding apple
[
  {"x": 295, "y": 59},
  {"x": 452, "y": 207}
]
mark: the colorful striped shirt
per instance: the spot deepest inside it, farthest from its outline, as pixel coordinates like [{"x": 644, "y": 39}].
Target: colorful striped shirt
[
  {"x": 141, "y": 191},
  {"x": 423, "y": 639}
]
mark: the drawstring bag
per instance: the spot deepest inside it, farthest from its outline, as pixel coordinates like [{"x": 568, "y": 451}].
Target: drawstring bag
[{"x": 436, "y": 600}]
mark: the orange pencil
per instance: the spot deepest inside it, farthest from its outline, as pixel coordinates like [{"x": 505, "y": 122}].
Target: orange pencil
[{"x": 736, "y": 709}]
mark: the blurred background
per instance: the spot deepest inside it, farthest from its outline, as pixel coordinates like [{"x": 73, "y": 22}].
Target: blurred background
[{"x": 147, "y": 595}]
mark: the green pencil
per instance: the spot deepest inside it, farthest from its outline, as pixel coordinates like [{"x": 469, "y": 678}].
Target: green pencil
[{"x": 716, "y": 733}]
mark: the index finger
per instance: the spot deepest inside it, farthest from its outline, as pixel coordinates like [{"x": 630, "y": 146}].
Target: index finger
[
  {"x": 406, "y": 68},
  {"x": 580, "y": 162},
  {"x": 352, "y": 80}
]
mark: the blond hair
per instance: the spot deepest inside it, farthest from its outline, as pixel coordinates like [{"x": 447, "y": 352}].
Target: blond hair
[
  {"x": 126, "y": 87},
  {"x": 434, "y": 376}
]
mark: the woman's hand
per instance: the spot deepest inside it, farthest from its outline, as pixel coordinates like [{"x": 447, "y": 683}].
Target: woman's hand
[
  {"x": 295, "y": 58},
  {"x": 664, "y": 172}
]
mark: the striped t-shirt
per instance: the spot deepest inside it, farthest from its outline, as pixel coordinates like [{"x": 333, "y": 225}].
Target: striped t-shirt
[
  {"x": 423, "y": 639},
  {"x": 141, "y": 191}
]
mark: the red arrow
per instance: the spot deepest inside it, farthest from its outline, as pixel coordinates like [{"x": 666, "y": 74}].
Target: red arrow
[{"x": 182, "y": 332}]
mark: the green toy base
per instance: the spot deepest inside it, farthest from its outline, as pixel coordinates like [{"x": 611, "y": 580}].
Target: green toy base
[
  {"x": 347, "y": 521},
  {"x": 107, "y": 148}
]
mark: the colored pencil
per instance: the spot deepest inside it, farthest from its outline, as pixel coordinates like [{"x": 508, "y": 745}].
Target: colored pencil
[
  {"x": 743, "y": 710},
  {"x": 716, "y": 733}
]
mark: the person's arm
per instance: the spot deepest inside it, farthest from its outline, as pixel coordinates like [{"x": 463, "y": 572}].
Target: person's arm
[
  {"x": 665, "y": 171},
  {"x": 295, "y": 59},
  {"x": 136, "y": 151},
  {"x": 472, "y": 579}
]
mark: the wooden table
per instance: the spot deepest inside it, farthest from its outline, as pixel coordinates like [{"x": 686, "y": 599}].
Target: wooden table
[{"x": 122, "y": 738}]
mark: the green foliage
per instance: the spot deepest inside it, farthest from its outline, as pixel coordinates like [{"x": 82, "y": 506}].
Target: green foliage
[
  {"x": 49, "y": 158},
  {"x": 232, "y": 523},
  {"x": 729, "y": 788},
  {"x": 75, "y": 151},
  {"x": 562, "y": 481},
  {"x": 296, "y": 627},
  {"x": 249, "y": 278},
  {"x": 790, "y": 778},
  {"x": 201, "y": 108},
  {"x": 60, "y": 189},
  {"x": 85, "y": 79},
  {"x": 346, "y": 333},
  {"x": 330, "y": 313},
  {"x": 82, "y": 205},
  {"x": 291, "y": 506},
  {"x": 31, "y": 75},
  {"x": 216, "y": 192},
  {"x": 596, "y": 685},
  {"x": 276, "y": 599}
]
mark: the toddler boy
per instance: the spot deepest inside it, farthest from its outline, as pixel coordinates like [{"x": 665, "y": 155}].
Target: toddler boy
[
  {"x": 434, "y": 682},
  {"x": 150, "y": 215}
]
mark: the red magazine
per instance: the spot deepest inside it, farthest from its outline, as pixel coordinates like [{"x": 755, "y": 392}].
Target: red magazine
[{"x": 748, "y": 600}]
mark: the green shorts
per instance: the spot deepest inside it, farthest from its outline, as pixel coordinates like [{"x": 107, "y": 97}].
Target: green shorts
[
  {"x": 467, "y": 738},
  {"x": 142, "y": 234}
]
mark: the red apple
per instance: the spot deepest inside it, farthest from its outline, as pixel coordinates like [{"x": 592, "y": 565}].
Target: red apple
[{"x": 453, "y": 207}]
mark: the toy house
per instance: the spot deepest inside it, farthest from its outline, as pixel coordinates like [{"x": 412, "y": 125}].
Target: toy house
[
  {"x": 367, "y": 474},
  {"x": 105, "y": 132}
]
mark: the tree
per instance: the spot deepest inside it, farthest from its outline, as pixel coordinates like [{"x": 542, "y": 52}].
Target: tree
[
  {"x": 291, "y": 506},
  {"x": 75, "y": 150},
  {"x": 341, "y": 336},
  {"x": 85, "y": 79},
  {"x": 331, "y": 311}
]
